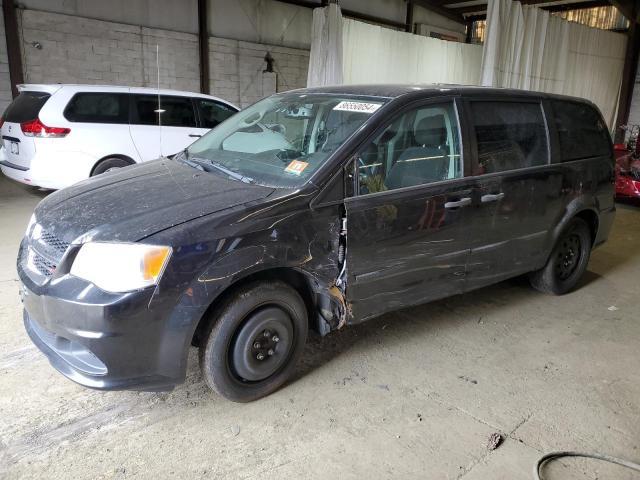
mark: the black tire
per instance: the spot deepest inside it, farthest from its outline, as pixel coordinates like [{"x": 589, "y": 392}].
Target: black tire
[
  {"x": 109, "y": 164},
  {"x": 270, "y": 315},
  {"x": 567, "y": 262}
]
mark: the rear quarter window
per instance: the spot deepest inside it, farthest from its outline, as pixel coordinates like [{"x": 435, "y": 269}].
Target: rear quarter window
[
  {"x": 25, "y": 107},
  {"x": 581, "y": 131},
  {"x": 95, "y": 107}
]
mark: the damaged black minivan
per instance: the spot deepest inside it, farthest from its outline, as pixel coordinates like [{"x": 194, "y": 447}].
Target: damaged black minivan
[{"x": 311, "y": 209}]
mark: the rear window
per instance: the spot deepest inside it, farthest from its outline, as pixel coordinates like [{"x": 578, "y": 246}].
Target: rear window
[
  {"x": 25, "y": 107},
  {"x": 98, "y": 107},
  {"x": 510, "y": 135},
  {"x": 581, "y": 131}
]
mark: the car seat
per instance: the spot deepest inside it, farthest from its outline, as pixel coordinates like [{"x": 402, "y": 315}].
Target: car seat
[{"x": 426, "y": 162}]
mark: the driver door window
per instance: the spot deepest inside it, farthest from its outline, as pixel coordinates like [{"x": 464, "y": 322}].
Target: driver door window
[{"x": 421, "y": 146}]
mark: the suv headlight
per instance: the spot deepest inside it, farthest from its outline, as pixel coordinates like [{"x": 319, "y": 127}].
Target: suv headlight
[{"x": 120, "y": 267}]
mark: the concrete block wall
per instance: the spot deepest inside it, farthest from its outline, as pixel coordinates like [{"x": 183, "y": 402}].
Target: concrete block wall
[
  {"x": 236, "y": 70},
  {"x": 60, "y": 48},
  {"x": 178, "y": 59},
  {"x": 80, "y": 50}
]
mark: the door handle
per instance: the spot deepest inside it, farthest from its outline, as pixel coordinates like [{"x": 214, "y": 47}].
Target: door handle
[
  {"x": 195, "y": 135},
  {"x": 492, "y": 197},
  {"x": 463, "y": 202}
]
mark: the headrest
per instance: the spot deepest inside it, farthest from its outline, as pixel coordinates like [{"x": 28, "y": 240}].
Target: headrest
[{"x": 431, "y": 131}]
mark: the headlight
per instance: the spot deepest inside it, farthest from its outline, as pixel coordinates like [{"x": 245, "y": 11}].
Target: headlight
[
  {"x": 32, "y": 222},
  {"x": 120, "y": 267}
]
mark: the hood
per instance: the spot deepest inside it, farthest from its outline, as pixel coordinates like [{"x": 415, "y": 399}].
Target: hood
[{"x": 130, "y": 204}]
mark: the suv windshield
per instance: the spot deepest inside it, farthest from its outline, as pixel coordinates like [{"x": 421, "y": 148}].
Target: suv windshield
[{"x": 282, "y": 140}]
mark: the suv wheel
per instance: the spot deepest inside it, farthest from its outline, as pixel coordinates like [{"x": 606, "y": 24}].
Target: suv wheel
[
  {"x": 254, "y": 341},
  {"x": 109, "y": 164},
  {"x": 568, "y": 260}
]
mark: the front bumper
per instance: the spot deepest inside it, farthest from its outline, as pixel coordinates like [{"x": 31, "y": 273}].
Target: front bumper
[
  {"x": 101, "y": 340},
  {"x": 50, "y": 170}
]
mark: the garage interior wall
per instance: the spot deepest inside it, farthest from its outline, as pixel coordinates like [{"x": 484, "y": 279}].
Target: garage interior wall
[{"x": 81, "y": 42}]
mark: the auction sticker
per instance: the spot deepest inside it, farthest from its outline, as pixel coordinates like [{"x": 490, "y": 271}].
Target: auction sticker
[
  {"x": 296, "y": 167},
  {"x": 362, "y": 107}
]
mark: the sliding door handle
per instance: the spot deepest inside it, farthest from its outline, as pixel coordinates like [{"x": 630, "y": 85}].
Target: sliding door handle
[
  {"x": 491, "y": 197},
  {"x": 194, "y": 135},
  {"x": 463, "y": 202}
]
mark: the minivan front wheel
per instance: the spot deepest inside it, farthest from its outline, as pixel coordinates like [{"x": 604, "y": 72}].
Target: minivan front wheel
[
  {"x": 568, "y": 260},
  {"x": 108, "y": 165},
  {"x": 254, "y": 341}
]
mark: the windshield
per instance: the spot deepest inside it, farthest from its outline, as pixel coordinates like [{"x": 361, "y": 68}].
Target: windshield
[{"x": 282, "y": 140}]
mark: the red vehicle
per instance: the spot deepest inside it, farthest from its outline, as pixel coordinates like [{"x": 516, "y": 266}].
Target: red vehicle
[{"x": 628, "y": 166}]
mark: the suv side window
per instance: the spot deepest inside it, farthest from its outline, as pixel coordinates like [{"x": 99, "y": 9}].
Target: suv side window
[
  {"x": 212, "y": 113},
  {"x": 173, "y": 112},
  {"x": 178, "y": 112},
  {"x": 419, "y": 147},
  {"x": 581, "y": 130},
  {"x": 97, "y": 107},
  {"x": 510, "y": 135}
]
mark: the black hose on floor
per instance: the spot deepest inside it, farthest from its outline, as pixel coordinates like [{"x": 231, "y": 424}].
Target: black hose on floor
[{"x": 606, "y": 458}]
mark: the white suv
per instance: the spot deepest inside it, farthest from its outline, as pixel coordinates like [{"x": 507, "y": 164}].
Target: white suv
[{"x": 56, "y": 135}]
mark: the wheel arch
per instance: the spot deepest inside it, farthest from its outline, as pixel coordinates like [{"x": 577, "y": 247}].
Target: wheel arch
[
  {"x": 301, "y": 282},
  {"x": 126, "y": 158},
  {"x": 585, "y": 207},
  {"x": 591, "y": 218}
]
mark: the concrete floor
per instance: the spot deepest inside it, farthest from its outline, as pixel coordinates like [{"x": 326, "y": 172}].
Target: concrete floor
[{"x": 414, "y": 394}]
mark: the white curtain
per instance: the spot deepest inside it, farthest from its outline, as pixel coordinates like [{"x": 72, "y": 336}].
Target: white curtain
[
  {"x": 325, "y": 60},
  {"x": 526, "y": 47},
  {"x": 374, "y": 54}
]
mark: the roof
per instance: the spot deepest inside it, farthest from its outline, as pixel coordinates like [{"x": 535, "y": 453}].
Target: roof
[
  {"x": 53, "y": 87},
  {"x": 390, "y": 91}
]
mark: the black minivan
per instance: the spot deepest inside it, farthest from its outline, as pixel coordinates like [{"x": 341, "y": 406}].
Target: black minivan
[{"x": 315, "y": 208}]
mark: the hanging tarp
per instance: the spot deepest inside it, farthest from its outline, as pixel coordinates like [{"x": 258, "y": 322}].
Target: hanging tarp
[{"x": 526, "y": 47}]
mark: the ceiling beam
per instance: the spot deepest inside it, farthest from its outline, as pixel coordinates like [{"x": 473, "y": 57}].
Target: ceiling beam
[
  {"x": 577, "y": 6},
  {"x": 550, "y": 8},
  {"x": 629, "y": 8},
  {"x": 445, "y": 12},
  {"x": 347, "y": 13},
  {"x": 482, "y": 7}
]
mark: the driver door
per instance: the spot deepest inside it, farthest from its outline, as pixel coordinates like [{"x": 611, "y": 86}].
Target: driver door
[{"x": 406, "y": 241}]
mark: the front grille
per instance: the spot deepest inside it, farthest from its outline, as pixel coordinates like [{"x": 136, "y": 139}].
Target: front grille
[
  {"x": 44, "y": 266},
  {"x": 41, "y": 254},
  {"x": 54, "y": 242}
]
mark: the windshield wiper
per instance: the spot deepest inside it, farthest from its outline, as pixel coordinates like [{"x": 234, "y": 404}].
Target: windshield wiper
[
  {"x": 196, "y": 163},
  {"x": 231, "y": 173}
]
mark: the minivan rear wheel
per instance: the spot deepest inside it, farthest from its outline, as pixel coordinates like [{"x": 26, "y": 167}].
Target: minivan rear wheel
[
  {"x": 254, "y": 341},
  {"x": 567, "y": 262},
  {"x": 109, "y": 164}
]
